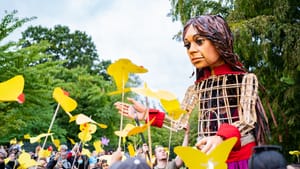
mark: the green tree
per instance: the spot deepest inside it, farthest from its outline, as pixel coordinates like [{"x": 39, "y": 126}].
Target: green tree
[
  {"x": 42, "y": 74},
  {"x": 77, "y": 48},
  {"x": 267, "y": 41}
]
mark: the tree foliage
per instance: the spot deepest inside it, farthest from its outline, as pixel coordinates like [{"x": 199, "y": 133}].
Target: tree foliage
[
  {"x": 42, "y": 73},
  {"x": 77, "y": 48},
  {"x": 267, "y": 41}
]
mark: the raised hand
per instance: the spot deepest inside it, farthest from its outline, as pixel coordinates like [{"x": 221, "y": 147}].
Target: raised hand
[
  {"x": 207, "y": 144},
  {"x": 134, "y": 110}
]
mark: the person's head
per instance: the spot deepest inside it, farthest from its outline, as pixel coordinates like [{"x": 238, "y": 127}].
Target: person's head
[
  {"x": 104, "y": 164},
  {"x": 267, "y": 157},
  {"x": 209, "y": 42},
  {"x": 160, "y": 153},
  {"x": 2, "y": 157},
  {"x": 64, "y": 155},
  {"x": 131, "y": 163},
  {"x": 145, "y": 147},
  {"x": 63, "y": 148}
]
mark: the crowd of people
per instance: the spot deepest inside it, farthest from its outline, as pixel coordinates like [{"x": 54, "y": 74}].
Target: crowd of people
[{"x": 64, "y": 158}]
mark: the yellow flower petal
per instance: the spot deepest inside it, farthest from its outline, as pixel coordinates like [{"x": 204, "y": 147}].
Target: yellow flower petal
[
  {"x": 25, "y": 161},
  {"x": 125, "y": 131},
  {"x": 67, "y": 103},
  {"x": 81, "y": 119},
  {"x": 11, "y": 89},
  {"x": 139, "y": 129},
  {"x": 131, "y": 150},
  {"x": 98, "y": 146},
  {"x": 120, "y": 70},
  {"x": 27, "y": 136},
  {"x": 173, "y": 108},
  {"x": 72, "y": 141},
  {"x": 44, "y": 153},
  {"x": 37, "y": 138},
  {"x": 159, "y": 94},
  {"x": 195, "y": 159},
  {"x": 84, "y": 136}
]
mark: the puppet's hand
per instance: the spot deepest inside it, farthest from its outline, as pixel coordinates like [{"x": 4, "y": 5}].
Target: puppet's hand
[
  {"x": 132, "y": 111},
  {"x": 207, "y": 144}
]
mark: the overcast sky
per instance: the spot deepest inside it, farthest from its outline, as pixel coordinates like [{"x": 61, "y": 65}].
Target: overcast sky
[{"x": 135, "y": 29}]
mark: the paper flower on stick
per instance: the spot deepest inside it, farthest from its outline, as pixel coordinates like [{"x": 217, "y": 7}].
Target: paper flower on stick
[
  {"x": 159, "y": 94},
  {"x": 27, "y": 136},
  {"x": 13, "y": 141},
  {"x": 125, "y": 131},
  {"x": 12, "y": 89},
  {"x": 195, "y": 159},
  {"x": 173, "y": 108},
  {"x": 45, "y": 153},
  {"x": 87, "y": 130},
  {"x": 81, "y": 119},
  {"x": 56, "y": 142},
  {"x": 26, "y": 161},
  {"x": 120, "y": 71},
  {"x": 86, "y": 152},
  {"x": 131, "y": 130},
  {"x": 98, "y": 146},
  {"x": 38, "y": 138},
  {"x": 62, "y": 97}
]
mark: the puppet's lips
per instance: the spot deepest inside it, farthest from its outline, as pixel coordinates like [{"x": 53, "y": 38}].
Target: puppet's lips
[{"x": 197, "y": 59}]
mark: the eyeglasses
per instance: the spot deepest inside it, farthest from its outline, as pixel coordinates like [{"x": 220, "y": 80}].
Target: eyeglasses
[{"x": 105, "y": 165}]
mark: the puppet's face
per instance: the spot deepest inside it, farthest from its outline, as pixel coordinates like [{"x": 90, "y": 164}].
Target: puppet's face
[{"x": 201, "y": 51}]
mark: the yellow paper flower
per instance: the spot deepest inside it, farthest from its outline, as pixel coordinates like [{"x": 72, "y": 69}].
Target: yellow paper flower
[
  {"x": 173, "y": 108},
  {"x": 82, "y": 119},
  {"x": 195, "y": 159},
  {"x": 13, "y": 141},
  {"x": 38, "y": 138},
  {"x": 131, "y": 129},
  {"x": 295, "y": 152},
  {"x": 25, "y": 161},
  {"x": 86, "y": 152},
  {"x": 121, "y": 69},
  {"x": 56, "y": 142},
  {"x": 159, "y": 94},
  {"x": 44, "y": 153},
  {"x": 66, "y": 102},
  {"x": 98, "y": 146},
  {"x": 27, "y": 136},
  {"x": 86, "y": 132},
  {"x": 12, "y": 89},
  {"x": 125, "y": 131}
]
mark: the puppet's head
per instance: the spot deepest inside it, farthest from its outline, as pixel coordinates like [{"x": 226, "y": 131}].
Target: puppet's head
[{"x": 216, "y": 29}]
